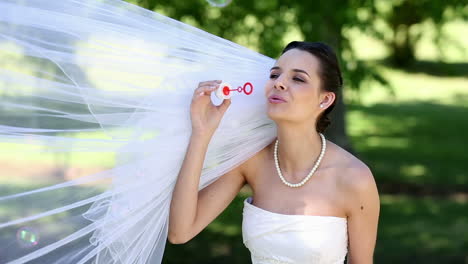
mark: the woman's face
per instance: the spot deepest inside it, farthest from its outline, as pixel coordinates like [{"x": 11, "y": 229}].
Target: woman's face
[{"x": 295, "y": 79}]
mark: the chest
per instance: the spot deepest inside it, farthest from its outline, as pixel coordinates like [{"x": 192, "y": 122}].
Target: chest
[
  {"x": 295, "y": 241},
  {"x": 276, "y": 238},
  {"x": 320, "y": 195}
]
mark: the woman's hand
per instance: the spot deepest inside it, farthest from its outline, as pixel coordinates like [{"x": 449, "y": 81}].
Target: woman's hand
[{"x": 204, "y": 114}]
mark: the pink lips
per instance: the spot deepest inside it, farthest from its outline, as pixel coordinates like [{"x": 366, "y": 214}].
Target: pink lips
[{"x": 275, "y": 99}]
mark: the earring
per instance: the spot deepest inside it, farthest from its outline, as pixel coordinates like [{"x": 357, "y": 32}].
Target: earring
[{"x": 321, "y": 105}]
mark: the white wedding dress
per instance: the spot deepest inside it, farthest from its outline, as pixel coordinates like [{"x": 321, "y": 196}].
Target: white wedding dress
[{"x": 299, "y": 239}]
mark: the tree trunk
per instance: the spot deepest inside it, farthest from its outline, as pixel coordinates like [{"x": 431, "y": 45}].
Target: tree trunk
[
  {"x": 402, "y": 47},
  {"x": 337, "y": 130}
]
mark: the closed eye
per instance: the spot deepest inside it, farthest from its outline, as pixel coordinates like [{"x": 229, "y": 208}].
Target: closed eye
[{"x": 274, "y": 76}]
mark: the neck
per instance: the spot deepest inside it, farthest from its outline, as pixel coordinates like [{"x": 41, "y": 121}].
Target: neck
[{"x": 298, "y": 149}]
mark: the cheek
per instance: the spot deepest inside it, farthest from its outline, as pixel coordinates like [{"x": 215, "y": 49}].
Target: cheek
[
  {"x": 306, "y": 100},
  {"x": 305, "y": 93},
  {"x": 268, "y": 87}
]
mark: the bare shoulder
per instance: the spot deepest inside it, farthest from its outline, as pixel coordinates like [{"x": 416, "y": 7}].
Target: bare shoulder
[
  {"x": 360, "y": 201},
  {"x": 250, "y": 168},
  {"x": 354, "y": 175}
]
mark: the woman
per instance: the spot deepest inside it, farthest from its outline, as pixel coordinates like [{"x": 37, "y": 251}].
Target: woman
[{"x": 310, "y": 197}]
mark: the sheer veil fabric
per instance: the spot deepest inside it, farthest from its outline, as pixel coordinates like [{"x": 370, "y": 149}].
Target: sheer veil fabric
[{"x": 90, "y": 77}]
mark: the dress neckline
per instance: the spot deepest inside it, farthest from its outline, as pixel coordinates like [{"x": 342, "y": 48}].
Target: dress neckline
[{"x": 248, "y": 202}]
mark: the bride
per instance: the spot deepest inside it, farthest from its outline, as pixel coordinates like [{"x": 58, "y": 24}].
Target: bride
[
  {"x": 313, "y": 202},
  {"x": 107, "y": 79}
]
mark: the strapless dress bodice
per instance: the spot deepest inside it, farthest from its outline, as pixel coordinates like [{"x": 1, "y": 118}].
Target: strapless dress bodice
[{"x": 293, "y": 239}]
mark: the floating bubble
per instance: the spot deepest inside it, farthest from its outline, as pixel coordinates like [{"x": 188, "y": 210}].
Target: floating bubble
[
  {"x": 27, "y": 237},
  {"x": 219, "y": 3}
]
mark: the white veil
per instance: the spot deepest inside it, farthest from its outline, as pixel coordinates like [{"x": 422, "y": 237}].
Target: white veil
[{"x": 107, "y": 78}]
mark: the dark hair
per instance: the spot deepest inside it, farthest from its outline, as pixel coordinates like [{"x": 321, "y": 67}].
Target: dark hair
[{"x": 329, "y": 72}]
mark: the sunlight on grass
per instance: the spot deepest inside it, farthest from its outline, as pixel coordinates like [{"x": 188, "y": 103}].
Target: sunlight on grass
[
  {"x": 413, "y": 170},
  {"x": 410, "y": 87},
  {"x": 399, "y": 143},
  {"x": 32, "y": 153},
  {"x": 35, "y": 150},
  {"x": 393, "y": 138}
]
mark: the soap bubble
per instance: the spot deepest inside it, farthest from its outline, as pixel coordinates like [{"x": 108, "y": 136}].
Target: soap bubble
[
  {"x": 27, "y": 237},
  {"x": 219, "y": 3}
]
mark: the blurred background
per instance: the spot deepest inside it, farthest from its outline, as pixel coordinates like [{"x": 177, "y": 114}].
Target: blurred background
[{"x": 403, "y": 111}]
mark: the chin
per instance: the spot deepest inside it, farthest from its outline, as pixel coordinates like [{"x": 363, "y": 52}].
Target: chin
[{"x": 277, "y": 115}]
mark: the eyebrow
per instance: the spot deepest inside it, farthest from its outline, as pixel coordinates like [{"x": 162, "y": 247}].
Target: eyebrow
[{"x": 295, "y": 70}]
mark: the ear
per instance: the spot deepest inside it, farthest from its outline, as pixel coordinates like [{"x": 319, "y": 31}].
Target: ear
[{"x": 327, "y": 99}]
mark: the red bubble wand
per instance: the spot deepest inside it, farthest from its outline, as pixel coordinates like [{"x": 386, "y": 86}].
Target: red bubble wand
[{"x": 224, "y": 90}]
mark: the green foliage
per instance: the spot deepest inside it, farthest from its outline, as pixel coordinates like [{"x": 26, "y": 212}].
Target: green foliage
[
  {"x": 403, "y": 20},
  {"x": 267, "y": 26}
]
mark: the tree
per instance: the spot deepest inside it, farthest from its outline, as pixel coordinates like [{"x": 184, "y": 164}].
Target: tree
[
  {"x": 263, "y": 25},
  {"x": 403, "y": 19}
]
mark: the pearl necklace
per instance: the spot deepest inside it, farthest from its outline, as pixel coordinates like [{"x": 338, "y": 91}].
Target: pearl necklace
[{"x": 317, "y": 163}]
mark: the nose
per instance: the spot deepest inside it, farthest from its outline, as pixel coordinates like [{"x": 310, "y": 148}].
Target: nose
[{"x": 279, "y": 85}]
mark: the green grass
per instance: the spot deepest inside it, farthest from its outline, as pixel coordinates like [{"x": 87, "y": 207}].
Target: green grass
[
  {"x": 418, "y": 143},
  {"x": 424, "y": 84},
  {"x": 422, "y": 230},
  {"x": 15, "y": 152},
  {"x": 416, "y": 134}
]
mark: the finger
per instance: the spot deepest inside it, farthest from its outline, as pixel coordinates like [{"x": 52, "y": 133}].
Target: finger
[
  {"x": 224, "y": 105},
  {"x": 206, "y": 90},
  {"x": 213, "y": 82}
]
